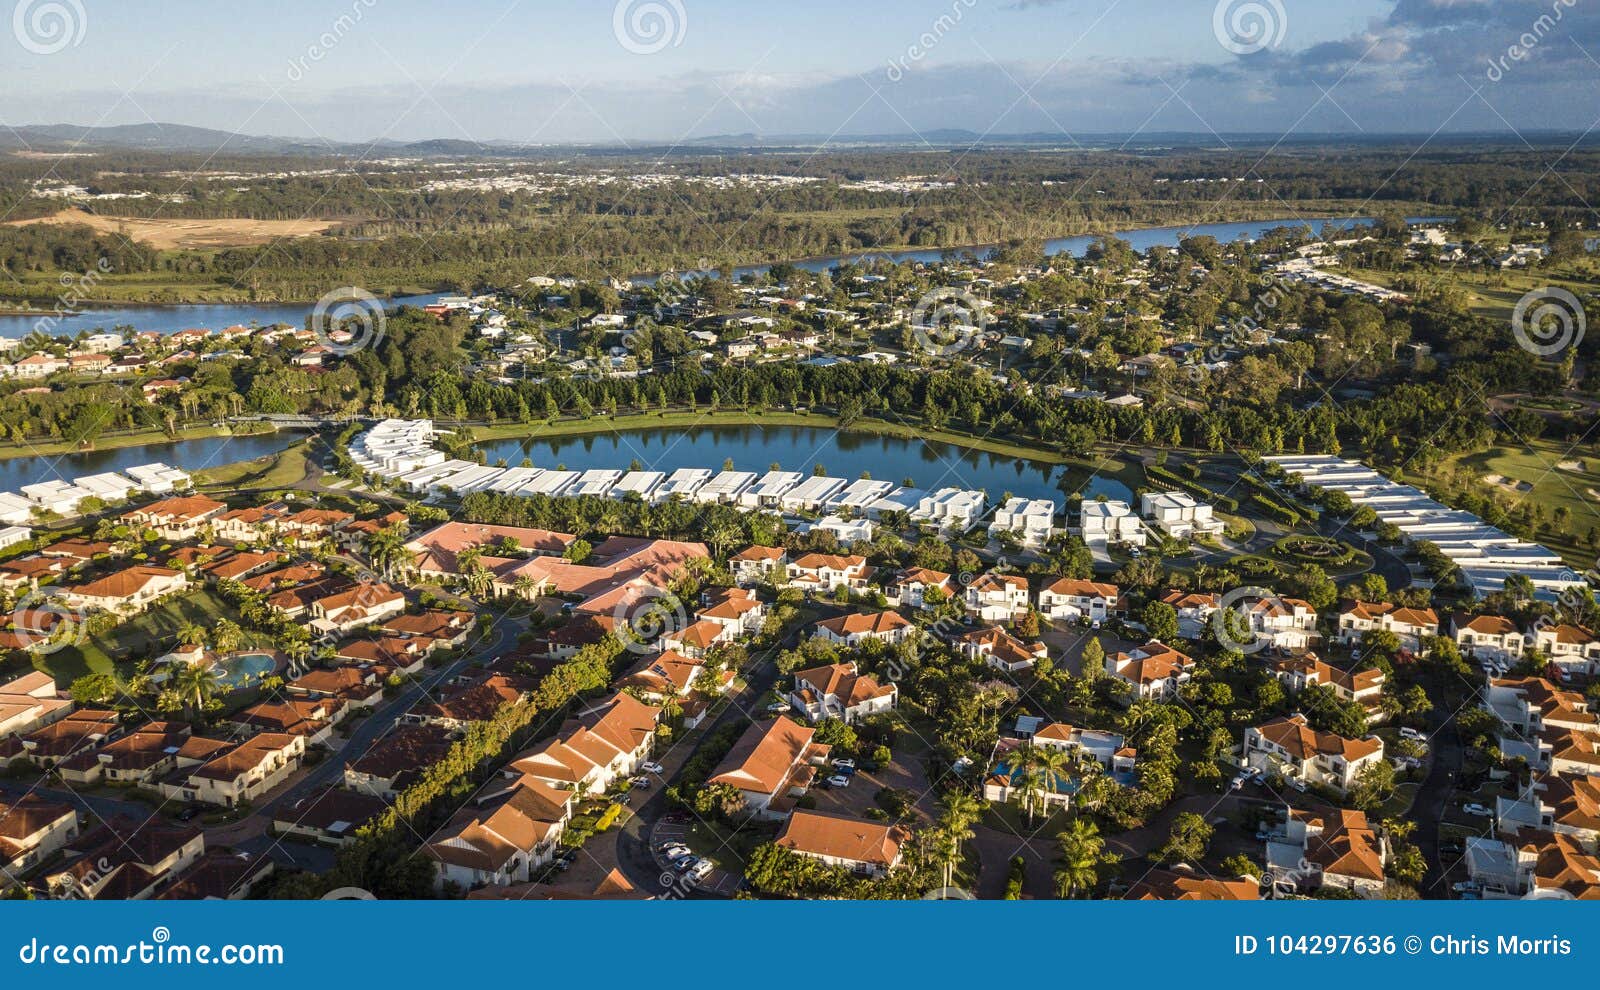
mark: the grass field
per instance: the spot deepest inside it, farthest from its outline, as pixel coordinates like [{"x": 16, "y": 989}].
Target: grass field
[
  {"x": 139, "y": 439},
  {"x": 1552, "y": 487},
  {"x": 1493, "y": 295},
  {"x": 149, "y": 634},
  {"x": 170, "y": 234},
  {"x": 281, "y": 470}
]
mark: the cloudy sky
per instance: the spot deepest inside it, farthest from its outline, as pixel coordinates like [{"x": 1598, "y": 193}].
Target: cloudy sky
[{"x": 552, "y": 71}]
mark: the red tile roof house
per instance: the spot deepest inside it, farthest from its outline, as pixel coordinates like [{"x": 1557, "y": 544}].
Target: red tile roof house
[
  {"x": 822, "y": 574},
  {"x": 141, "y": 756},
  {"x": 840, "y": 691},
  {"x": 696, "y": 639},
  {"x": 1001, "y": 650},
  {"x": 403, "y": 656},
  {"x": 1334, "y": 848},
  {"x": 252, "y": 525},
  {"x": 668, "y": 674},
  {"x": 592, "y": 753},
  {"x": 1069, "y": 598},
  {"x": 998, "y": 597},
  {"x": 31, "y": 830},
  {"x": 436, "y": 551},
  {"x": 395, "y": 761},
  {"x": 128, "y": 591},
  {"x": 240, "y": 773},
  {"x": 1183, "y": 884},
  {"x": 475, "y": 702},
  {"x": 1290, "y": 747},
  {"x": 220, "y": 876},
  {"x": 176, "y": 519},
  {"x": 503, "y": 836},
  {"x": 357, "y": 687},
  {"x": 439, "y": 628},
  {"x": 331, "y": 815},
  {"x": 615, "y": 572},
  {"x": 735, "y": 609},
  {"x": 312, "y": 718},
  {"x": 853, "y": 630},
  {"x": 80, "y": 731},
  {"x": 126, "y": 859},
  {"x": 347, "y": 611},
  {"x": 30, "y": 702},
  {"x": 1153, "y": 671},
  {"x": 1490, "y": 637},
  {"x": 1411, "y": 625},
  {"x": 759, "y": 565},
  {"x": 771, "y": 765},
  {"x": 910, "y": 587},
  {"x": 863, "y": 847}
]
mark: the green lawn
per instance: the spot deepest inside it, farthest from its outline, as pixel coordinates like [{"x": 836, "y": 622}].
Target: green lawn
[
  {"x": 1491, "y": 295},
  {"x": 281, "y": 470},
  {"x": 149, "y": 634},
  {"x": 1552, "y": 487}
]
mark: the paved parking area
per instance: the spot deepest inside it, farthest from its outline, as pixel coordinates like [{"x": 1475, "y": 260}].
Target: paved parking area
[{"x": 719, "y": 883}]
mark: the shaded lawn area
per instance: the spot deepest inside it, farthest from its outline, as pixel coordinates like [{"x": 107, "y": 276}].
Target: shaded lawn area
[
  {"x": 281, "y": 470},
  {"x": 149, "y": 634},
  {"x": 727, "y": 847}
]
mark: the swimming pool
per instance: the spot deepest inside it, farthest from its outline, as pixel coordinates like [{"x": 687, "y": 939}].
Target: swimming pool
[{"x": 244, "y": 669}]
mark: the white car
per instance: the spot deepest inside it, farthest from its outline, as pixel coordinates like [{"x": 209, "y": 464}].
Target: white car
[
  {"x": 699, "y": 871},
  {"x": 844, "y": 764},
  {"x": 778, "y": 707},
  {"x": 654, "y": 768},
  {"x": 1479, "y": 810},
  {"x": 1406, "y": 732},
  {"x": 1238, "y": 782},
  {"x": 839, "y": 780}
]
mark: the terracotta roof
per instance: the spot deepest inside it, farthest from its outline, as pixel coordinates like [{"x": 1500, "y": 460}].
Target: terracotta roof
[
  {"x": 876, "y": 624},
  {"x": 840, "y": 837},
  {"x": 1179, "y": 885},
  {"x": 1077, "y": 588},
  {"x": 765, "y": 756},
  {"x": 1295, "y": 735}
]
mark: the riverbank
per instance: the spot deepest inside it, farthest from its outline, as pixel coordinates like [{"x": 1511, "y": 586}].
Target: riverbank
[{"x": 141, "y": 439}]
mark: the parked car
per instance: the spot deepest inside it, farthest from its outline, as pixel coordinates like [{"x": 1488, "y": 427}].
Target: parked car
[
  {"x": 699, "y": 871},
  {"x": 642, "y": 782},
  {"x": 674, "y": 850},
  {"x": 684, "y": 863},
  {"x": 1477, "y": 809},
  {"x": 839, "y": 780},
  {"x": 1296, "y": 783},
  {"x": 1406, "y": 732},
  {"x": 778, "y": 707},
  {"x": 1237, "y": 782},
  {"x": 844, "y": 765},
  {"x": 654, "y": 768},
  {"x": 1465, "y": 887}
]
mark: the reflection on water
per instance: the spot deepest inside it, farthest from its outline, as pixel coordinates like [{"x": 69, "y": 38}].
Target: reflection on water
[
  {"x": 190, "y": 455},
  {"x": 925, "y": 463}
]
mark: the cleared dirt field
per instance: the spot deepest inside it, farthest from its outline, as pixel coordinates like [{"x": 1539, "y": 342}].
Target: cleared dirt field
[{"x": 182, "y": 233}]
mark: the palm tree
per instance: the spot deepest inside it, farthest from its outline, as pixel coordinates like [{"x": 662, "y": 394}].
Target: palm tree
[
  {"x": 387, "y": 551},
  {"x": 1053, "y": 765},
  {"x": 524, "y": 586},
  {"x": 1082, "y": 852},
  {"x": 477, "y": 579},
  {"x": 959, "y": 810},
  {"x": 197, "y": 683},
  {"x": 1026, "y": 780},
  {"x": 192, "y": 634}
]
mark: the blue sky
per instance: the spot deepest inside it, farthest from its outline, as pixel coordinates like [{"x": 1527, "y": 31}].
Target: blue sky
[{"x": 558, "y": 70}]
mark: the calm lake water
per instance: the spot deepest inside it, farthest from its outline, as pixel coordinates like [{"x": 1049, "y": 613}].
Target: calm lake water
[
  {"x": 169, "y": 319},
  {"x": 927, "y": 464},
  {"x": 190, "y": 455}
]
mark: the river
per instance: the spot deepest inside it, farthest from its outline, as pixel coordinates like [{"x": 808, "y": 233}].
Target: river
[
  {"x": 924, "y": 464},
  {"x": 190, "y": 455},
  {"x": 215, "y": 316},
  {"x": 170, "y": 319}
]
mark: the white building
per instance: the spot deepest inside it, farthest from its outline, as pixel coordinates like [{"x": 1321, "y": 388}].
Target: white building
[
  {"x": 1179, "y": 515},
  {"x": 1033, "y": 520}
]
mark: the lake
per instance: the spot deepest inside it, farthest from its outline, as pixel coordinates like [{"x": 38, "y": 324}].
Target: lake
[
  {"x": 926, "y": 464},
  {"x": 170, "y": 319},
  {"x": 1142, "y": 239},
  {"x": 190, "y": 455}
]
